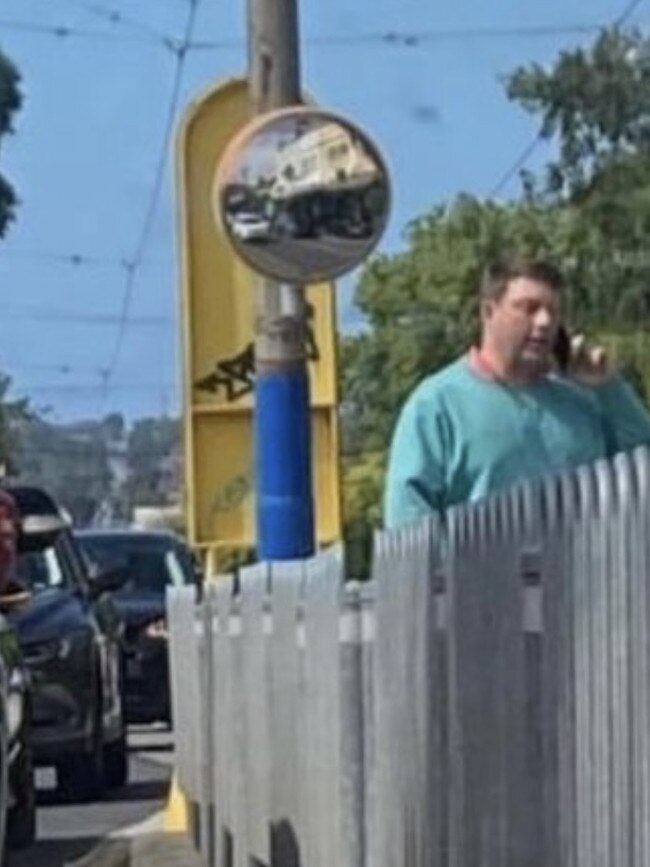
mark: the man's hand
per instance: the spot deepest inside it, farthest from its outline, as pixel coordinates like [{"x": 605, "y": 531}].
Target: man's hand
[{"x": 589, "y": 365}]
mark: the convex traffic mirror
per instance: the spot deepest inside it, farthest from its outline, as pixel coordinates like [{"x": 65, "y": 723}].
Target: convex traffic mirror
[{"x": 302, "y": 194}]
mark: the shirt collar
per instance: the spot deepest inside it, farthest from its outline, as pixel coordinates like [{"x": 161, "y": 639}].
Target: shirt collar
[{"x": 479, "y": 365}]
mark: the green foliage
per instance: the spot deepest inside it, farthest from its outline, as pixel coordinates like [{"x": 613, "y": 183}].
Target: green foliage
[
  {"x": 589, "y": 212},
  {"x": 69, "y": 461},
  {"x": 13, "y": 413},
  {"x": 363, "y": 478},
  {"x": 152, "y": 442},
  {"x": 422, "y": 305},
  {"x": 594, "y": 101},
  {"x": 101, "y": 468},
  {"x": 10, "y": 101}
]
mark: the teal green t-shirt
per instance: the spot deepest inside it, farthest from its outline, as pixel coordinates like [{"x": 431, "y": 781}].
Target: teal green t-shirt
[{"x": 461, "y": 436}]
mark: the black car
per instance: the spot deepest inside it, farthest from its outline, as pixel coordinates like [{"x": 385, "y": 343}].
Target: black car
[
  {"x": 17, "y": 792},
  {"x": 152, "y": 561},
  {"x": 70, "y": 635}
]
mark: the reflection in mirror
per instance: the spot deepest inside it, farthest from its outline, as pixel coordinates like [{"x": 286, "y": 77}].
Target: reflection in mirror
[{"x": 302, "y": 195}]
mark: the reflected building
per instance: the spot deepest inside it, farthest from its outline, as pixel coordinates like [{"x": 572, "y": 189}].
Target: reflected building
[{"x": 326, "y": 181}]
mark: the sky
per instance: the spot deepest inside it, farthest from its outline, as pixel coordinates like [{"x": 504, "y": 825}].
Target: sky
[{"x": 425, "y": 80}]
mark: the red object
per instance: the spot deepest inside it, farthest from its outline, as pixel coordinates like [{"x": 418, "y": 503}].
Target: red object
[{"x": 9, "y": 521}]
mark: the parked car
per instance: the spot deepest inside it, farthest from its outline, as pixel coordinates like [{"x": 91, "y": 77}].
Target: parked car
[
  {"x": 17, "y": 788},
  {"x": 152, "y": 562},
  {"x": 17, "y": 792},
  {"x": 70, "y": 635},
  {"x": 250, "y": 227}
]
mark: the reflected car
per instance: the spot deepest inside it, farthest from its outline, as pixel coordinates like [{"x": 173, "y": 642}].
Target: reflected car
[
  {"x": 250, "y": 227},
  {"x": 152, "y": 561},
  {"x": 70, "y": 636}
]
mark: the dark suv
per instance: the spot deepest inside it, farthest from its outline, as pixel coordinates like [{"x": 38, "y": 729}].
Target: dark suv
[
  {"x": 70, "y": 634},
  {"x": 17, "y": 792},
  {"x": 151, "y": 561}
]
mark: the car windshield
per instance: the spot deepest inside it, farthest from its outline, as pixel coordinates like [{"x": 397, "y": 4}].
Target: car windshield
[
  {"x": 150, "y": 565},
  {"x": 41, "y": 570}
]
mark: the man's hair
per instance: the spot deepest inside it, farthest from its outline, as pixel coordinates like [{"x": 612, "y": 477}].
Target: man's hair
[{"x": 497, "y": 276}]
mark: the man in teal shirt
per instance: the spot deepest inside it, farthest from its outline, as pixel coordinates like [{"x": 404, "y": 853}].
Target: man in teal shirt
[{"x": 502, "y": 413}]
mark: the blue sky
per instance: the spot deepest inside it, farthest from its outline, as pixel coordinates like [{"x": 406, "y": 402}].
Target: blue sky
[{"x": 83, "y": 159}]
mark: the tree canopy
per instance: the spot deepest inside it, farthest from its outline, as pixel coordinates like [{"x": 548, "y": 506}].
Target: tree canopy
[
  {"x": 10, "y": 101},
  {"x": 588, "y": 211}
]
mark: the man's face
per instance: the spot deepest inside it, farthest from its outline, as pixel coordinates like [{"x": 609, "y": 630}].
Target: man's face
[{"x": 522, "y": 325}]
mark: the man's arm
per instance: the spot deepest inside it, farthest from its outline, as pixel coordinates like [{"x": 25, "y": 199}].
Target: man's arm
[
  {"x": 415, "y": 480},
  {"x": 626, "y": 419}
]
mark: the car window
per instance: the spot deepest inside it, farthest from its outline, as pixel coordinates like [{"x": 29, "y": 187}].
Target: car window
[
  {"x": 150, "y": 565},
  {"x": 41, "y": 570}
]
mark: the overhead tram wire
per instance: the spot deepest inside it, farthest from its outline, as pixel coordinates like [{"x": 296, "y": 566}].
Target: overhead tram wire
[
  {"x": 145, "y": 233},
  {"x": 397, "y": 38},
  {"x": 532, "y": 146},
  {"x": 409, "y": 39},
  {"x": 414, "y": 38},
  {"x": 118, "y": 19},
  {"x": 65, "y": 32},
  {"x": 76, "y": 260},
  {"x": 50, "y": 316}
]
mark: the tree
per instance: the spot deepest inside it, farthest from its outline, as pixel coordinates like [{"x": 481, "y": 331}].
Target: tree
[
  {"x": 422, "y": 305},
  {"x": 422, "y": 311},
  {"x": 153, "y": 450},
  {"x": 588, "y": 211},
  {"x": 596, "y": 103},
  {"x": 70, "y": 461},
  {"x": 13, "y": 414},
  {"x": 10, "y": 100}
]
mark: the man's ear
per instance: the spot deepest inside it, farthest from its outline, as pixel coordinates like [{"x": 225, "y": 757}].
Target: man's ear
[{"x": 486, "y": 309}]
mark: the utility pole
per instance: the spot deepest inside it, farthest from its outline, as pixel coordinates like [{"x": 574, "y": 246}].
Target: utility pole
[{"x": 282, "y": 465}]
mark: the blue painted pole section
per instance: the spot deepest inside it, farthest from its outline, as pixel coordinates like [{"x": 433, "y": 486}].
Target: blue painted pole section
[{"x": 285, "y": 506}]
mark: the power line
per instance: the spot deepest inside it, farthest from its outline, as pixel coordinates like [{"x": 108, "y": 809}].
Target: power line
[
  {"x": 627, "y": 11},
  {"x": 409, "y": 39},
  {"x": 117, "y": 18},
  {"x": 91, "y": 387},
  {"x": 414, "y": 38},
  {"x": 54, "y": 314},
  {"x": 532, "y": 146},
  {"x": 40, "y": 314},
  {"x": 135, "y": 263},
  {"x": 77, "y": 260},
  {"x": 65, "y": 32},
  {"x": 10, "y": 366}
]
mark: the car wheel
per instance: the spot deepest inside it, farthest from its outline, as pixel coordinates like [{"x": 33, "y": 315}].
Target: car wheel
[
  {"x": 21, "y": 829},
  {"x": 80, "y": 776},
  {"x": 116, "y": 761}
]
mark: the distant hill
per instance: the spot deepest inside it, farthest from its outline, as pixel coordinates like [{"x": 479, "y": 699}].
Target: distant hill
[{"x": 101, "y": 470}]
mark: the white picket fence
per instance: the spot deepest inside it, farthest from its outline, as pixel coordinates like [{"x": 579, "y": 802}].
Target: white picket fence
[{"x": 483, "y": 701}]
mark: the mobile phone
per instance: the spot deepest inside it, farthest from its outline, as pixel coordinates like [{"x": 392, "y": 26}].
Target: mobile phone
[{"x": 562, "y": 349}]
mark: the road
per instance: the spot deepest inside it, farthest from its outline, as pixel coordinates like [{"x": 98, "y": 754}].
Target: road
[
  {"x": 68, "y": 831},
  {"x": 295, "y": 257}
]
